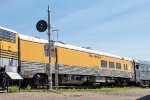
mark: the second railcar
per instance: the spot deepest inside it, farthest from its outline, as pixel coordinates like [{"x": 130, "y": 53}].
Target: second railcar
[
  {"x": 81, "y": 65},
  {"x": 142, "y": 72},
  {"x": 76, "y": 65}
]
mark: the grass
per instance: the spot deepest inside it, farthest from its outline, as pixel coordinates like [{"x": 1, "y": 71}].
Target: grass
[
  {"x": 94, "y": 90},
  {"x": 86, "y": 90},
  {"x": 14, "y": 89},
  {"x": 28, "y": 88}
]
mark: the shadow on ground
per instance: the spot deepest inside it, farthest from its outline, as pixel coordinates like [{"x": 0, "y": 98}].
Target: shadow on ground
[{"x": 145, "y": 98}]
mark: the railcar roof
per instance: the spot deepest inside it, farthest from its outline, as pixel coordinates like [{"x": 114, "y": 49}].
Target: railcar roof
[
  {"x": 7, "y": 29},
  {"x": 64, "y": 45},
  {"x": 143, "y": 62},
  {"x": 32, "y": 39}
]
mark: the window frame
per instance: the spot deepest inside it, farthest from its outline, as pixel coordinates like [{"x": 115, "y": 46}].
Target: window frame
[
  {"x": 111, "y": 63},
  {"x": 46, "y": 52},
  {"x": 7, "y": 36},
  {"x": 104, "y": 62},
  {"x": 125, "y": 67},
  {"x": 118, "y": 67}
]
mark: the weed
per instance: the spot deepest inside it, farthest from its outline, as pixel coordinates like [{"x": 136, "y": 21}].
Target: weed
[
  {"x": 14, "y": 89},
  {"x": 28, "y": 88}
]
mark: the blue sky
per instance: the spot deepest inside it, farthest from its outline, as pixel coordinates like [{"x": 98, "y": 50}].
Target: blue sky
[{"x": 120, "y": 27}]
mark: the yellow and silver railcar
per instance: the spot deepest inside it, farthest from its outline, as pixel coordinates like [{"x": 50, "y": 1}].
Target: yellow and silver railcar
[
  {"x": 84, "y": 65},
  {"x": 76, "y": 65},
  {"x": 8, "y": 54}
]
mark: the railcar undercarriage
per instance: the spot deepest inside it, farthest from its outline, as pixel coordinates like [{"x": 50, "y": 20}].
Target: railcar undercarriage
[{"x": 41, "y": 80}]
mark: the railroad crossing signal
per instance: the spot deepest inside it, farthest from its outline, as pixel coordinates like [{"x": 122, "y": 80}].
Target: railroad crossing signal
[{"x": 41, "y": 26}]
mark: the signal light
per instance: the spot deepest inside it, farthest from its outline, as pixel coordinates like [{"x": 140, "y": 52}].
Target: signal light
[{"x": 41, "y": 26}]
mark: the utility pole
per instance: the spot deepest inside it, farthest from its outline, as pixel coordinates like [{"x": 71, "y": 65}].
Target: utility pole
[
  {"x": 42, "y": 26},
  {"x": 49, "y": 48}
]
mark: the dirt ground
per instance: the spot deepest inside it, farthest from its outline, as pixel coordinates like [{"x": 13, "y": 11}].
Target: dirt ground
[{"x": 133, "y": 94}]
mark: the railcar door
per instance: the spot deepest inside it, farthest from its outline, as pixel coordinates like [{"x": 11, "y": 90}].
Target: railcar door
[{"x": 137, "y": 72}]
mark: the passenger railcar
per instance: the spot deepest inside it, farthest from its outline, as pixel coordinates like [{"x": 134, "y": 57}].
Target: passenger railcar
[
  {"x": 85, "y": 65},
  {"x": 8, "y": 52},
  {"x": 142, "y": 72},
  {"x": 76, "y": 65}
]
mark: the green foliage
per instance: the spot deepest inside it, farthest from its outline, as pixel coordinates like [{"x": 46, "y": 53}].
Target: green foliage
[
  {"x": 93, "y": 90},
  {"x": 28, "y": 88},
  {"x": 14, "y": 89},
  {"x": 57, "y": 91}
]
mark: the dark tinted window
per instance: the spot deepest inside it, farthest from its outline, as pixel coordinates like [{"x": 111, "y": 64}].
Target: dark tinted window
[
  {"x": 46, "y": 52},
  {"x": 7, "y": 36},
  {"x": 104, "y": 63},
  {"x": 53, "y": 54},
  {"x": 137, "y": 66},
  {"x": 111, "y": 65},
  {"x": 118, "y": 65}
]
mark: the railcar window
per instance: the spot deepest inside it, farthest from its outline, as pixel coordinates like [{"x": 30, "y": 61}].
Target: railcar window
[
  {"x": 46, "y": 52},
  {"x": 118, "y": 65},
  {"x": 137, "y": 66},
  {"x": 142, "y": 69},
  {"x": 125, "y": 67},
  {"x": 148, "y": 69},
  {"x": 53, "y": 54},
  {"x": 111, "y": 65},
  {"x": 7, "y": 36},
  {"x": 103, "y": 63}
]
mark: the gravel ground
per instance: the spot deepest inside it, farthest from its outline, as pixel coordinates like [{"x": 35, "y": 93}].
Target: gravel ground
[{"x": 133, "y": 94}]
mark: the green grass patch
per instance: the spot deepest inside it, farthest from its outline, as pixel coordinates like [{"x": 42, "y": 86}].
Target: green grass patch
[
  {"x": 28, "y": 88},
  {"x": 13, "y": 89},
  {"x": 93, "y": 90},
  {"x": 113, "y": 89}
]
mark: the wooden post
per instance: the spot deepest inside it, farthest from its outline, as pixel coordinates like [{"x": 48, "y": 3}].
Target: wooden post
[
  {"x": 7, "y": 79},
  {"x": 19, "y": 62},
  {"x": 56, "y": 75}
]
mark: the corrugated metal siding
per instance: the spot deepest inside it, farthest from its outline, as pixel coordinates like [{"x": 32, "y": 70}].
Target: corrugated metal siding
[
  {"x": 29, "y": 69},
  {"x": 91, "y": 71}
]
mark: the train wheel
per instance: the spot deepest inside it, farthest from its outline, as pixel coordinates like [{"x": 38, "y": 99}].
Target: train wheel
[
  {"x": 125, "y": 83},
  {"x": 144, "y": 84}
]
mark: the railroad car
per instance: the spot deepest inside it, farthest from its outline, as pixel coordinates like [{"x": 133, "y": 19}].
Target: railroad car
[
  {"x": 142, "y": 73},
  {"x": 76, "y": 65},
  {"x": 8, "y": 52},
  {"x": 83, "y": 65}
]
